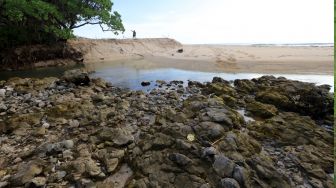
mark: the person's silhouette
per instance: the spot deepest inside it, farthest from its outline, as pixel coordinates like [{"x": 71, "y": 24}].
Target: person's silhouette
[{"x": 134, "y": 34}]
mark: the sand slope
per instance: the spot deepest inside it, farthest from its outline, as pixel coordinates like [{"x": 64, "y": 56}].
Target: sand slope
[{"x": 162, "y": 52}]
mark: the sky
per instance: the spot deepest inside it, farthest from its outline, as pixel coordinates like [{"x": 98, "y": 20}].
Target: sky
[{"x": 224, "y": 21}]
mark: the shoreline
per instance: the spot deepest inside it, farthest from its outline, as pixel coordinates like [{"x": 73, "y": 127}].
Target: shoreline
[
  {"x": 206, "y": 65},
  {"x": 163, "y": 53},
  {"x": 212, "y": 58}
]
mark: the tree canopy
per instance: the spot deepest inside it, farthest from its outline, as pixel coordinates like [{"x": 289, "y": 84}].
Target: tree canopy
[{"x": 44, "y": 21}]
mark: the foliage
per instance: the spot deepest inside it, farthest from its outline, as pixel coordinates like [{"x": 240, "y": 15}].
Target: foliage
[{"x": 45, "y": 21}]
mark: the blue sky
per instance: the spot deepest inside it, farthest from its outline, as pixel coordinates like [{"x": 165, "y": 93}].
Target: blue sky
[{"x": 224, "y": 21}]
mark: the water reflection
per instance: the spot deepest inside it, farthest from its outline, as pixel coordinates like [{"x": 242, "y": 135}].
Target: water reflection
[
  {"x": 38, "y": 73},
  {"x": 132, "y": 77}
]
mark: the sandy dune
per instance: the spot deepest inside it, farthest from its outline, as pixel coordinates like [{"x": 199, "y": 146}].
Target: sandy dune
[{"x": 162, "y": 53}]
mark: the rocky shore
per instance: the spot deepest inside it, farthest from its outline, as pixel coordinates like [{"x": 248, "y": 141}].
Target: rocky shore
[{"x": 82, "y": 132}]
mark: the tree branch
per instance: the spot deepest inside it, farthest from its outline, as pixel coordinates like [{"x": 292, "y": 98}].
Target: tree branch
[{"x": 76, "y": 26}]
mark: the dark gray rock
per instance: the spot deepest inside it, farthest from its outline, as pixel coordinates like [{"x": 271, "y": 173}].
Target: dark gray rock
[
  {"x": 145, "y": 83},
  {"x": 228, "y": 183},
  {"x": 223, "y": 166},
  {"x": 180, "y": 159}
]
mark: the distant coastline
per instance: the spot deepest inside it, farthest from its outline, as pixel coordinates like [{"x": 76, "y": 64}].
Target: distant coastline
[{"x": 273, "y": 44}]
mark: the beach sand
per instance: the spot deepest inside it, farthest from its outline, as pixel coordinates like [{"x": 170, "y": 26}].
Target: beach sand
[{"x": 162, "y": 53}]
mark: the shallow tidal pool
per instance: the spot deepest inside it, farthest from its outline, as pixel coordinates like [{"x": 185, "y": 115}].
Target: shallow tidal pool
[{"x": 131, "y": 78}]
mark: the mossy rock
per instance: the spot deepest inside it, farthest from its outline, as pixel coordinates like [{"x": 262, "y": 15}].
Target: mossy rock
[{"x": 261, "y": 110}]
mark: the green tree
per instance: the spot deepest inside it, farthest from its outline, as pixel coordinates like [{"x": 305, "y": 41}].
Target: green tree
[{"x": 43, "y": 21}]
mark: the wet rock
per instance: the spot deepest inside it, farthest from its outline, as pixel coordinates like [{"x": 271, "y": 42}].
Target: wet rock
[
  {"x": 145, "y": 83},
  {"x": 77, "y": 77},
  {"x": 228, "y": 183},
  {"x": 223, "y": 166}
]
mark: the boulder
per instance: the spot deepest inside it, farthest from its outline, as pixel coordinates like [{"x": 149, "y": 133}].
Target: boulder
[
  {"x": 145, "y": 83},
  {"x": 77, "y": 77}
]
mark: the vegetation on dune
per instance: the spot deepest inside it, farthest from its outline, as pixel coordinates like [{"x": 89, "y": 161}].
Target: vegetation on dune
[{"x": 46, "y": 21}]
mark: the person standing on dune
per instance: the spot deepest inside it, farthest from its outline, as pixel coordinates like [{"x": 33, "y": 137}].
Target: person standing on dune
[{"x": 134, "y": 34}]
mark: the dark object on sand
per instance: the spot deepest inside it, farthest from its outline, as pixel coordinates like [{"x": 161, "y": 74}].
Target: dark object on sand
[
  {"x": 144, "y": 83},
  {"x": 134, "y": 34},
  {"x": 180, "y": 50}
]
